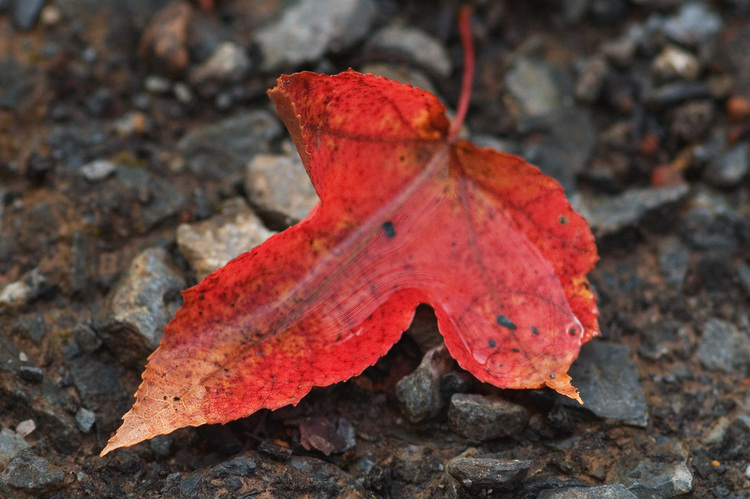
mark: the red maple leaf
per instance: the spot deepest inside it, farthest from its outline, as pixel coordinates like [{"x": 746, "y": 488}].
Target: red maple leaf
[{"x": 407, "y": 215}]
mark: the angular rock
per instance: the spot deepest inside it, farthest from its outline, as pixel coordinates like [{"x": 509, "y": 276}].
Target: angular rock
[
  {"x": 29, "y": 287},
  {"x": 141, "y": 303},
  {"x": 279, "y": 187},
  {"x": 419, "y": 394},
  {"x": 210, "y": 244},
  {"x": 655, "y": 480},
  {"x": 228, "y": 63},
  {"x": 724, "y": 348},
  {"x": 730, "y": 168},
  {"x": 611, "y": 215},
  {"x": 674, "y": 262},
  {"x": 329, "y": 436},
  {"x": 694, "y": 24},
  {"x": 26, "y": 12},
  {"x": 97, "y": 170},
  {"x": 32, "y": 474},
  {"x": 11, "y": 443},
  {"x": 602, "y": 492},
  {"x": 85, "y": 419},
  {"x": 221, "y": 149},
  {"x": 674, "y": 62},
  {"x": 421, "y": 48},
  {"x": 607, "y": 379},
  {"x": 239, "y": 466},
  {"x": 310, "y": 28},
  {"x": 481, "y": 474},
  {"x": 479, "y": 418},
  {"x": 591, "y": 79}
]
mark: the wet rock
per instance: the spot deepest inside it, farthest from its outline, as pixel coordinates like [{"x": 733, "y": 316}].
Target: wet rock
[
  {"x": 32, "y": 474},
  {"x": 478, "y": 418},
  {"x": 239, "y": 466},
  {"x": 484, "y": 474},
  {"x": 675, "y": 63},
  {"x": 635, "y": 206},
  {"x": 419, "y": 394},
  {"x": 141, "y": 303},
  {"x": 607, "y": 379},
  {"x": 25, "y": 290},
  {"x": 723, "y": 347},
  {"x": 280, "y": 188},
  {"x": 602, "y": 492},
  {"x": 652, "y": 480},
  {"x": 310, "y": 28},
  {"x": 85, "y": 419},
  {"x": 11, "y": 443},
  {"x": 210, "y": 244},
  {"x": 420, "y": 48},
  {"x": 329, "y": 436},
  {"x": 221, "y": 149},
  {"x": 228, "y": 64},
  {"x": 25, "y": 13},
  {"x": 729, "y": 169},
  {"x": 692, "y": 120}
]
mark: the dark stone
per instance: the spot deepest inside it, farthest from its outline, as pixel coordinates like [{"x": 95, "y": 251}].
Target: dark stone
[
  {"x": 478, "y": 418},
  {"x": 239, "y": 466},
  {"x": 86, "y": 338},
  {"x": 275, "y": 451},
  {"x": 730, "y": 168},
  {"x": 478, "y": 474},
  {"x": 724, "y": 348},
  {"x": 189, "y": 485},
  {"x": 232, "y": 483},
  {"x": 25, "y": 13},
  {"x": 38, "y": 168},
  {"x": 602, "y": 492},
  {"x": 419, "y": 394},
  {"x": 607, "y": 379},
  {"x": 31, "y": 473},
  {"x": 716, "y": 271},
  {"x": 31, "y": 327},
  {"x": 675, "y": 93},
  {"x": 327, "y": 435},
  {"x": 31, "y": 373},
  {"x": 161, "y": 445}
]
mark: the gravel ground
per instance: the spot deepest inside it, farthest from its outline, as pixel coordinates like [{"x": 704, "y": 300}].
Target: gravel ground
[{"x": 138, "y": 151}]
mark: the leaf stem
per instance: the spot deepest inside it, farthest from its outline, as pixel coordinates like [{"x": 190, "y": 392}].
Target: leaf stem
[{"x": 464, "y": 28}]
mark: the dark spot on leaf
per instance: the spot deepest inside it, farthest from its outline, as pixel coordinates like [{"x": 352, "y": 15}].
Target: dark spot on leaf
[
  {"x": 177, "y": 399},
  {"x": 515, "y": 350},
  {"x": 552, "y": 376},
  {"x": 492, "y": 343},
  {"x": 572, "y": 331},
  {"x": 563, "y": 219},
  {"x": 390, "y": 231},
  {"x": 505, "y": 322},
  {"x": 534, "y": 330},
  {"x": 202, "y": 297}
]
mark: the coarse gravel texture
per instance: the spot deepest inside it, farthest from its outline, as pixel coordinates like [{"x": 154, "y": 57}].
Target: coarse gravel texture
[{"x": 138, "y": 149}]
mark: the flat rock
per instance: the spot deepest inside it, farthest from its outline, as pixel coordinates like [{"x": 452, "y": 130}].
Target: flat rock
[
  {"x": 478, "y": 474},
  {"x": 310, "y": 28},
  {"x": 607, "y": 378},
  {"x": 723, "y": 347},
  {"x": 11, "y": 443},
  {"x": 210, "y": 244},
  {"x": 31, "y": 473},
  {"x": 142, "y": 302},
  {"x": 327, "y": 435},
  {"x": 417, "y": 45},
  {"x": 279, "y": 187},
  {"x": 478, "y": 417},
  {"x": 26, "y": 12},
  {"x": 730, "y": 168},
  {"x": 220, "y": 149},
  {"x": 419, "y": 394},
  {"x": 602, "y": 492},
  {"x": 656, "y": 480},
  {"x": 611, "y": 215}
]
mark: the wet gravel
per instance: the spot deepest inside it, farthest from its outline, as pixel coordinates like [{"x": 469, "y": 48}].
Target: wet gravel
[{"x": 138, "y": 151}]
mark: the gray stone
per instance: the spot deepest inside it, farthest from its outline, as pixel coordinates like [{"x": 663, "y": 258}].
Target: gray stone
[
  {"x": 656, "y": 480},
  {"x": 26, "y": 12},
  {"x": 692, "y": 120},
  {"x": 228, "y": 63},
  {"x": 607, "y": 379},
  {"x": 421, "y": 48},
  {"x": 31, "y": 473},
  {"x": 613, "y": 214},
  {"x": 310, "y": 28},
  {"x": 86, "y": 338},
  {"x": 97, "y": 170},
  {"x": 239, "y": 466},
  {"x": 478, "y": 474},
  {"x": 189, "y": 485},
  {"x": 535, "y": 86},
  {"x": 478, "y": 418},
  {"x": 730, "y": 168},
  {"x": 329, "y": 436},
  {"x": 210, "y": 244},
  {"x": 85, "y": 419},
  {"x": 591, "y": 78},
  {"x": 419, "y": 394},
  {"x": 280, "y": 188},
  {"x": 602, "y": 492},
  {"x": 694, "y": 24},
  {"x": 157, "y": 198},
  {"x": 11, "y": 443},
  {"x": 710, "y": 221},
  {"x": 674, "y": 262},
  {"x": 140, "y": 304},
  {"x": 32, "y": 374},
  {"x": 724, "y": 348},
  {"x": 218, "y": 150}
]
